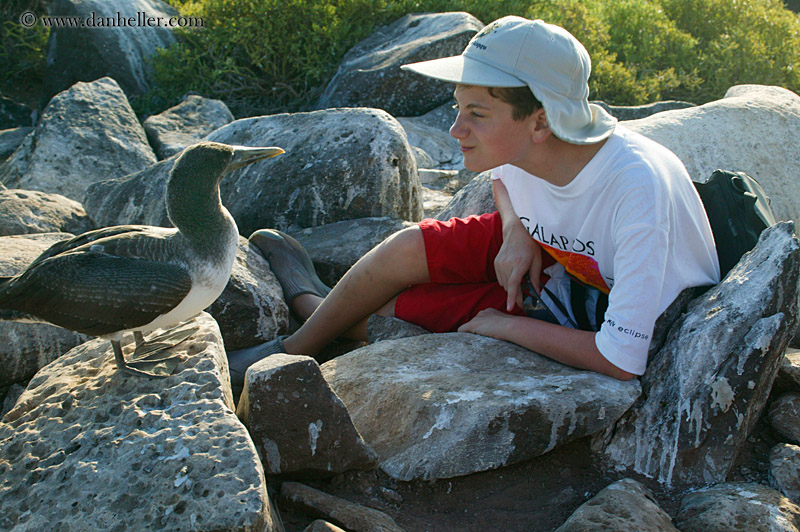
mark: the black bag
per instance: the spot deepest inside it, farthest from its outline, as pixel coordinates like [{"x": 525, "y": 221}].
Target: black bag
[{"x": 738, "y": 210}]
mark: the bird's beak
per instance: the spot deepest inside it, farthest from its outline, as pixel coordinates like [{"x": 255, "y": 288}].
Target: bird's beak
[{"x": 244, "y": 155}]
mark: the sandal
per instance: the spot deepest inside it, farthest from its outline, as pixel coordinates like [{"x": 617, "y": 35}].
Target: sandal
[{"x": 290, "y": 263}]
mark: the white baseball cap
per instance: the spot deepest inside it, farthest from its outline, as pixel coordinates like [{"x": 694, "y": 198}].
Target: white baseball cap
[{"x": 515, "y": 52}]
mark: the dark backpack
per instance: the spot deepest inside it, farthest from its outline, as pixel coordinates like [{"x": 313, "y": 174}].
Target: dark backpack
[{"x": 738, "y": 210}]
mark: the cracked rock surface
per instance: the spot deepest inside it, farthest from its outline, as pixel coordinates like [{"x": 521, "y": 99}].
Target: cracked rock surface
[
  {"x": 91, "y": 448},
  {"x": 444, "y": 405}
]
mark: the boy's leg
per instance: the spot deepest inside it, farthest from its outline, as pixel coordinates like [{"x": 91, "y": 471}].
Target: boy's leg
[{"x": 375, "y": 280}]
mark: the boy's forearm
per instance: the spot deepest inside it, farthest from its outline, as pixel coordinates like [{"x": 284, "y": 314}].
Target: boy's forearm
[{"x": 569, "y": 346}]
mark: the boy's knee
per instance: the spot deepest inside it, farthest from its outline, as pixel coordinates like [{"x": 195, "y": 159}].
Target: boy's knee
[
  {"x": 403, "y": 255},
  {"x": 407, "y": 242}
]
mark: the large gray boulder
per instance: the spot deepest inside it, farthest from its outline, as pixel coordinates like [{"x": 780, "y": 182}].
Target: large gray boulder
[
  {"x": 138, "y": 198},
  {"x": 297, "y": 423},
  {"x": 475, "y": 198},
  {"x": 624, "y": 506},
  {"x": 116, "y": 39},
  {"x": 444, "y": 405},
  {"x": 431, "y": 134},
  {"x": 706, "y": 387},
  {"x": 91, "y": 448},
  {"x": 251, "y": 309},
  {"x": 754, "y": 129},
  {"x": 339, "y": 165},
  {"x": 737, "y": 506},
  {"x": 86, "y": 134},
  {"x": 370, "y": 74},
  {"x": 28, "y": 347},
  {"x": 185, "y": 124},
  {"x": 30, "y": 211},
  {"x": 335, "y": 247}
]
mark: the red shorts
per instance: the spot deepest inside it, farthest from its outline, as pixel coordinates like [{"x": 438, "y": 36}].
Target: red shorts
[{"x": 460, "y": 254}]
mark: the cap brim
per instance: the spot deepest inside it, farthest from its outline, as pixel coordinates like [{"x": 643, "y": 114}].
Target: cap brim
[{"x": 461, "y": 69}]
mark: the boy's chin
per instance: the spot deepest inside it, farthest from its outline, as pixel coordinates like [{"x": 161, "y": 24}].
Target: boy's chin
[{"x": 476, "y": 168}]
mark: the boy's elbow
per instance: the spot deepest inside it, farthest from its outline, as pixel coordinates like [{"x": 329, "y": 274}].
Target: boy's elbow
[{"x": 623, "y": 375}]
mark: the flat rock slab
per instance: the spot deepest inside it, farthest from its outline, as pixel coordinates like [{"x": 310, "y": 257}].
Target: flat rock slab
[
  {"x": 91, "y": 448},
  {"x": 30, "y": 211},
  {"x": 297, "y": 422},
  {"x": 444, "y": 405},
  {"x": 737, "y": 506},
  {"x": 624, "y": 506},
  {"x": 349, "y": 515}
]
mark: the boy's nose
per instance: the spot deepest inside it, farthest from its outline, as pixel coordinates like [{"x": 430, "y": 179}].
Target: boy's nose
[{"x": 457, "y": 130}]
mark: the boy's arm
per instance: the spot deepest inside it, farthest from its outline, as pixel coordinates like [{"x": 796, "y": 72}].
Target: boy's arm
[
  {"x": 519, "y": 253},
  {"x": 569, "y": 346}
]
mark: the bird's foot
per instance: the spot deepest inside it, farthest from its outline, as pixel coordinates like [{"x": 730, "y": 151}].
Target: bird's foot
[
  {"x": 159, "y": 364},
  {"x": 169, "y": 338},
  {"x": 151, "y": 358}
]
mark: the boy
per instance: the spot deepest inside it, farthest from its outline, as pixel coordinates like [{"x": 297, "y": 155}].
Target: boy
[{"x": 610, "y": 208}]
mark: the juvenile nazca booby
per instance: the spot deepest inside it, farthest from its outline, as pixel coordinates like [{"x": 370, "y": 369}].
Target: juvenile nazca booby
[{"x": 140, "y": 278}]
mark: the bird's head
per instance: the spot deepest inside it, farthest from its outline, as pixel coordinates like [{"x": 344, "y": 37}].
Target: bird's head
[
  {"x": 193, "y": 186},
  {"x": 217, "y": 159}
]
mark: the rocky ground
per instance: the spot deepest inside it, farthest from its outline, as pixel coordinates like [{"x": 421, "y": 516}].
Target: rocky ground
[{"x": 356, "y": 176}]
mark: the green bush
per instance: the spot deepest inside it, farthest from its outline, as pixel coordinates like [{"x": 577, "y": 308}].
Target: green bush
[
  {"x": 746, "y": 41},
  {"x": 267, "y": 56},
  {"x": 22, "y": 50}
]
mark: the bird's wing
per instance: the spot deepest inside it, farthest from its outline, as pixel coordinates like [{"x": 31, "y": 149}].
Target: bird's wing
[
  {"x": 104, "y": 234},
  {"x": 96, "y": 293}
]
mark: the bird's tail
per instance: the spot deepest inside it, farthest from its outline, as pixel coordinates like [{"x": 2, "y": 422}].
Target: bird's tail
[{"x": 10, "y": 314}]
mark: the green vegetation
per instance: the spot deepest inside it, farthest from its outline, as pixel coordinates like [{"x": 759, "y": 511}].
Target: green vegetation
[
  {"x": 22, "y": 50},
  {"x": 266, "y": 56}
]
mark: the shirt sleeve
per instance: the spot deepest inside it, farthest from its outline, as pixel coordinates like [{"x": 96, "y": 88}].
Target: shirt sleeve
[{"x": 639, "y": 269}]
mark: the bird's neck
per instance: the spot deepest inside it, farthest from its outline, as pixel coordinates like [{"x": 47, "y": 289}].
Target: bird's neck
[{"x": 198, "y": 212}]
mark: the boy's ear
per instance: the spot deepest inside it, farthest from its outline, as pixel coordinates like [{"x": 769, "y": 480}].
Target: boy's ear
[{"x": 540, "y": 128}]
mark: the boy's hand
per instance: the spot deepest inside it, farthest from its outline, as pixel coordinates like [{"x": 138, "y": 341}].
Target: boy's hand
[
  {"x": 519, "y": 255},
  {"x": 488, "y": 322}
]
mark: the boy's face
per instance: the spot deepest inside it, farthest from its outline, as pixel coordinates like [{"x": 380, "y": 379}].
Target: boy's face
[{"x": 486, "y": 133}]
